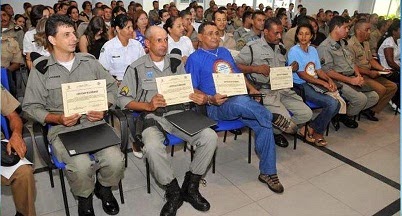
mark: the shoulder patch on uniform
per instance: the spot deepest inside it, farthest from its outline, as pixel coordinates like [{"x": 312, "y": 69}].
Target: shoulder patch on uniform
[
  {"x": 240, "y": 44},
  {"x": 124, "y": 91},
  {"x": 42, "y": 66},
  {"x": 322, "y": 61}
]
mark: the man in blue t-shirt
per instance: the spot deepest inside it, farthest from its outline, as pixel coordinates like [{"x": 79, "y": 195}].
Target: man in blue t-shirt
[{"x": 211, "y": 58}]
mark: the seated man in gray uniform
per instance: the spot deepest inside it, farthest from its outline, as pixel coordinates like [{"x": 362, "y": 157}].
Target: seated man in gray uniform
[
  {"x": 256, "y": 59},
  {"x": 336, "y": 60},
  {"x": 138, "y": 91},
  {"x": 43, "y": 101}
]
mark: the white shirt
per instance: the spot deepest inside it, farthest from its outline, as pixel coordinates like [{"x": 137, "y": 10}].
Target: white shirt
[
  {"x": 115, "y": 57},
  {"x": 29, "y": 44},
  {"x": 184, "y": 44},
  {"x": 389, "y": 43},
  {"x": 68, "y": 64}
]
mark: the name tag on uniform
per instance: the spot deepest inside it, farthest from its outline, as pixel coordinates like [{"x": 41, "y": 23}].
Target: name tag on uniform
[{"x": 115, "y": 56}]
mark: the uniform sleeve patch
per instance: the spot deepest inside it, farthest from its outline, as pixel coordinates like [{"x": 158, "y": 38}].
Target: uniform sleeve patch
[{"x": 124, "y": 91}]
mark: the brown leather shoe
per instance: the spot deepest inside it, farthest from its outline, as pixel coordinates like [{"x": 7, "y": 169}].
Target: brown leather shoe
[{"x": 272, "y": 181}]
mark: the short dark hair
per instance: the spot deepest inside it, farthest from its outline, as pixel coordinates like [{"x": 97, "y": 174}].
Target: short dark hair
[
  {"x": 70, "y": 10},
  {"x": 359, "y": 23},
  {"x": 184, "y": 13},
  {"x": 161, "y": 12},
  {"x": 169, "y": 23},
  {"x": 328, "y": 11},
  {"x": 36, "y": 14},
  {"x": 219, "y": 12},
  {"x": 255, "y": 13},
  {"x": 117, "y": 9},
  {"x": 85, "y": 3},
  {"x": 26, "y": 5},
  {"x": 246, "y": 14},
  {"x": 272, "y": 21},
  {"x": 299, "y": 6},
  {"x": 121, "y": 21},
  {"x": 202, "y": 26},
  {"x": 336, "y": 21},
  {"x": 305, "y": 25},
  {"x": 53, "y": 22}
]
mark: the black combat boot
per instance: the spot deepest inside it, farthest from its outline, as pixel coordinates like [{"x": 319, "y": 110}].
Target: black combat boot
[
  {"x": 85, "y": 207},
  {"x": 191, "y": 194},
  {"x": 109, "y": 203},
  {"x": 173, "y": 199}
]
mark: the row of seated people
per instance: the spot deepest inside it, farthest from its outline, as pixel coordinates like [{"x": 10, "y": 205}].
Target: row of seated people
[{"x": 208, "y": 50}]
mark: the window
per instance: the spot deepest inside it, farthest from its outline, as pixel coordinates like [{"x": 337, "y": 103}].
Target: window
[{"x": 387, "y": 8}]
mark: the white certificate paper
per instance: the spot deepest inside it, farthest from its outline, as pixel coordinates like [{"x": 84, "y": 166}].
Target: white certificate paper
[
  {"x": 230, "y": 84},
  {"x": 81, "y": 97},
  {"x": 281, "y": 78},
  {"x": 175, "y": 89}
]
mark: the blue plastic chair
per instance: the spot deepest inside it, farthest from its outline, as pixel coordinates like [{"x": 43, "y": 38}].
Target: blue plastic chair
[{"x": 46, "y": 151}]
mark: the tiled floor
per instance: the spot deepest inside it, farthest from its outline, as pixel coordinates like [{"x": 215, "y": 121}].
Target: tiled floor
[{"x": 315, "y": 182}]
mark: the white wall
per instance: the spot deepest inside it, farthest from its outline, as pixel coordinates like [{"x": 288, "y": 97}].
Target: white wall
[
  {"x": 311, "y": 5},
  {"x": 339, "y": 5}
]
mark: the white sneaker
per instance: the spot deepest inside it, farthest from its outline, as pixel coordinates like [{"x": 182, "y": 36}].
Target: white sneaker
[{"x": 138, "y": 154}]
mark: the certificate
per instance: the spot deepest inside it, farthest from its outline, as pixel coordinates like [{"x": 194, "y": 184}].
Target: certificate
[
  {"x": 281, "y": 78},
  {"x": 81, "y": 97},
  {"x": 230, "y": 84},
  {"x": 175, "y": 89}
]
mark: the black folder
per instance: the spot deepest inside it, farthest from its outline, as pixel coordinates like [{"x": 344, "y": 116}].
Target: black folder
[
  {"x": 89, "y": 140},
  {"x": 190, "y": 122}
]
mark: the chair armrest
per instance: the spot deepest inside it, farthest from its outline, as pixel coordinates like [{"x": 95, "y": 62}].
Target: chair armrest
[
  {"x": 123, "y": 127},
  {"x": 40, "y": 136},
  {"x": 26, "y": 135}
]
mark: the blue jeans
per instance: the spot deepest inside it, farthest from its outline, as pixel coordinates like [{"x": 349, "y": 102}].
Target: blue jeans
[
  {"x": 258, "y": 118},
  {"x": 330, "y": 107}
]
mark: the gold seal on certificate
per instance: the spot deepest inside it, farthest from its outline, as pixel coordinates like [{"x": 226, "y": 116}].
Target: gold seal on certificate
[
  {"x": 81, "y": 97},
  {"x": 281, "y": 78},
  {"x": 230, "y": 84},
  {"x": 175, "y": 89}
]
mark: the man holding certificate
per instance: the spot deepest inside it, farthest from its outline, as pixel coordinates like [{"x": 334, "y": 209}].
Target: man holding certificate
[
  {"x": 264, "y": 62},
  {"x": 157, "y": 85},
  {"x": 44, "y": 102},
  {"x": 215, "y": 59}
]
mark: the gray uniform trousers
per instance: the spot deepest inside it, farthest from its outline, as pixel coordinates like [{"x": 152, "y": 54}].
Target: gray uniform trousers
[
  {"x": 358, "y": 101},
  {"x": 155, "y": 151},
  {"x": 285, "y": 100},
  {"x": 81, "y": 170}
]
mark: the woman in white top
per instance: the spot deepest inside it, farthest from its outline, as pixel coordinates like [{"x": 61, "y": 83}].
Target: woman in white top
[
  {"x": 389, "y": 54},
  {"x": 176, "y": 39},
  {"x": 389, "y": 50},
  {"x": 122, "y": 50},
  {"x": 29, "y": 43},
  {"x": 163, "y": 15}
]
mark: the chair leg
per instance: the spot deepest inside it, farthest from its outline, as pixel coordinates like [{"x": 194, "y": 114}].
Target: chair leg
[
  {"x": 148, "y": 176},
  {"x": 192, "y": 153},
  {"x": 185, "y": 147},
  {"x": 63, "y": 190},
  {"x": 235, "y": 137},
  {"x": 50, "y": 170},
  {"x": 121, "y": 192},
  {"x": 358, "y": 116},
  {"x": 172, "y": 151},
  {"x": 326, "y": 133},
  {"x": 294, "y": 141},
  {"x": 213, "y": 162},
  {"x": 224, "y": 136},
  {"x": 249, "y": 145},
  {"x": 125, "y": 159}
]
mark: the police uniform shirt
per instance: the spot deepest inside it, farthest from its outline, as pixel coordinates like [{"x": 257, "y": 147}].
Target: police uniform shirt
[
  {"x": 115, "y": 57},
  {"x": 262, "y": 54},
  {"x": 361, "y": 52},
  {"x": 184, "y": 44},
  {"x": 142, "y": 87},
  {"x": 15, "y": 32},
  {"x": 335, "y": 56},
  {"x": 239, "y": 32},
  {"x": 43, "y": 92},
  {"x": 31, "y": 46},
  {"x": 10, "y": 52},
  {"x": 8, "y": 102}
]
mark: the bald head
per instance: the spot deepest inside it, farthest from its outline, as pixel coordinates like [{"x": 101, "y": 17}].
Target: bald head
[{"x": 157, "y": 42}]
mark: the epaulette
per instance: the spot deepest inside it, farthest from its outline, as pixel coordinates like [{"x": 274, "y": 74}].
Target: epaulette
[
  {"x": 85, "y": 56},
  {"x": 41, "y": 65}
]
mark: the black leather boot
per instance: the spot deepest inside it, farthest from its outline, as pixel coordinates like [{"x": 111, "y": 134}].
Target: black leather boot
[
  {"x": 173, "y": 199},
  {"x": 191, "y": 193},
  {"x": 109, "y": 203},
  {"x": 85, "y": 207}
]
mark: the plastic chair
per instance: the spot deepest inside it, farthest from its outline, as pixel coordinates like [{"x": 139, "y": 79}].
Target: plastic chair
[
  {"x": 300, "y": 91},
  {"x": 46, "y": 151}
]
